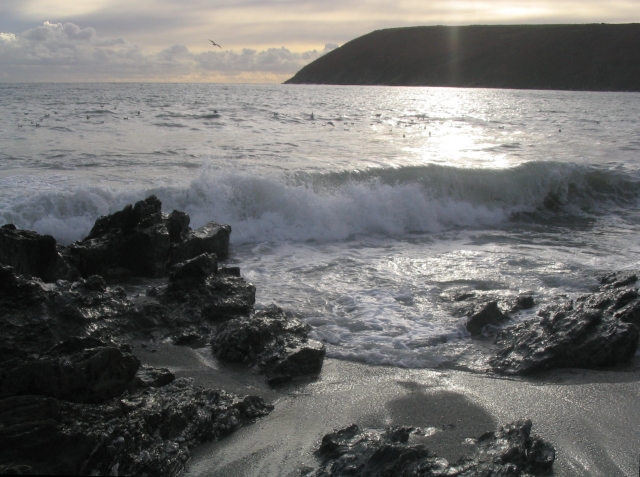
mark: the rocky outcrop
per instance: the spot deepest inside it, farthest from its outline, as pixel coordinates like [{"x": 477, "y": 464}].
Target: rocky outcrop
[
  {"x": 270, "y": 342},
  {"x": 74, "y": 402},
  {"x": 30, "y": 253},
  {"x": 489, "y": 314},
  {"x": 142, "y": 241},
  {"x": 35, "y": 316},
  {"x": 91, "y": 375},
  {"x": 211, "y": 238},
  {"x": 510, "y": 451},
  {"x": 197, "y": 291},
  {"x": 596, "y": 330},
  {"x": 148, "y": 433}
]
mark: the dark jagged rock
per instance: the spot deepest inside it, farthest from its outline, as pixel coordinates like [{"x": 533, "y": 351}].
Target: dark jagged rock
[
  {"x": 30, "y": 253},
  {"x": 595, "y": 331},
  {"x": 524, "y": 302},
  {"x": 195, "y": 338},
  {"x": 271, "y": 343},
  {"x": 141, "y": 241},
  {"x": 149, "y": 376},
  {"x": 617, "y": 280},
  {"x": 216, "y": 297},
  {"x": 510, "y": 451},
  {"x": 178, "y": 226},
  {"x": 489, "y": 314},
  {"x": 35, "y": 316},
  {"x": 193, "y": 272},
  {"x": 135, "y": 238},
  {"x": 90, "y": 375},
  {"x": 149, "y": 433},
  {"x": 72, "y": 401},
  {"x": 229, "y": 271},
  {"x": 211, "y": 238}
]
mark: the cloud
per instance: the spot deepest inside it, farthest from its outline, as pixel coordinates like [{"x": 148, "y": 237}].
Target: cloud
[{"x": 67, "y": 52}]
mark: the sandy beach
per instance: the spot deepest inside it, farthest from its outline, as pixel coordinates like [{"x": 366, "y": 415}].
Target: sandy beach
[{"x": 591, "y": 417}]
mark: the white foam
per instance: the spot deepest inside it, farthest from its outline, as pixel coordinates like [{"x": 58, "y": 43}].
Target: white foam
[{"x": 262, "y": 207}]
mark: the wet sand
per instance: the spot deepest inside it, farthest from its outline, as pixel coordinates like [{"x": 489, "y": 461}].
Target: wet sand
[{"x": 591, "y": 417}]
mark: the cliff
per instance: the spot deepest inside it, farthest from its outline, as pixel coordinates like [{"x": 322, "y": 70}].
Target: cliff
[{"x": 595, "y": 57}]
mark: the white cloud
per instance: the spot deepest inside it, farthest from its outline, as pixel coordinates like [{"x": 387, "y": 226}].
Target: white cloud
[{"x": 67, "y": 52}]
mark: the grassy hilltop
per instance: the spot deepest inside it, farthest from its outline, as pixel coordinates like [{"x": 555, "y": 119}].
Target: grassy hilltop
[{"x": 596, "y": 57}]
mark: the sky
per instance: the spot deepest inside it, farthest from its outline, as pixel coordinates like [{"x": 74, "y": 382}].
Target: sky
[{"x": 262, "y": 41}]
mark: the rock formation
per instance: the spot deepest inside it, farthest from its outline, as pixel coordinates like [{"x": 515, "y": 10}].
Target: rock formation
[
  {"x": 272, "y": 343},
  {"x": 510, "y": 451},
  {"x": 596, "y": 330}
]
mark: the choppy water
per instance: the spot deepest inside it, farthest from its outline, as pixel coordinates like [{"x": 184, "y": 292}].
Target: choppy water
[{"x": 363, "y": 220}]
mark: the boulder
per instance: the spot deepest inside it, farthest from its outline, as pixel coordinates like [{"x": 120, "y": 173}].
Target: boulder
[
  {"x": 272, "y": 343},
  {"x": 489, "y": 314},
  {"x": 178, "y": 225},
  {"x": 510, "y": 451},
  {"x": 524, "y": 302},
  {"x": 214, "y": 298},
  {"x": 141, "y": 241},
  {"x": 149, "y": 433},
  {"x": 193, "y": 272},
  {"x": 211, "y": 238},
  {"x": 94, "y": 374},
  {"x": 575, "y": 336},
  {"x": 149, "y": 376},
  {"x": 135, "y": 238},
  {"x": 32, "y": 254}
]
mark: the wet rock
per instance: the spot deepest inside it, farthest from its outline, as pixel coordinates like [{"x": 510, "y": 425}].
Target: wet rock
[
  {"x": 489, "y": 314},
  {"x": 271, "y": 343},
  {"x": 193, "y": 338},
  {"x": 90, "y": 375},
  {"x": 135, "y": 238},
  {"x": 141, "y": 241},
  {"x": 229, "y": 272},
  {"x": 35, "y": 316},
  {"x": 215, "y": 298},
  {"x": 149, "y": 433},
  {"x": 194, "y": 271},
  {"x": 32, "y": 254},
  {"x": 149, "y": 376},
  {"x": 211, "y": 238},
  {"x": 510, "y": 451},
  {"x": 18, "y": 292},
  {"x": 580, "y": 335},
  {"x": 178, "y": 226},
  {"x": 524, "y": 302},
  {"x": 617, "y": 280}
]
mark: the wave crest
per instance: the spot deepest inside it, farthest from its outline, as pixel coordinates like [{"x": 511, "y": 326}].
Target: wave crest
[{"x": 337, "y": 205}]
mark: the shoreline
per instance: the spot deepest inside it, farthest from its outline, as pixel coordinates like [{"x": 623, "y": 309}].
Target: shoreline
[{"x": 591, "y": 417}]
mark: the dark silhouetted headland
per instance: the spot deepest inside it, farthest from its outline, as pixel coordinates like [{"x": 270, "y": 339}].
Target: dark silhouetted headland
[{"x": 597, "y": 57}]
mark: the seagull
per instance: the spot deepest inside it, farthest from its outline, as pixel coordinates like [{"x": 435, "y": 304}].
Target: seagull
[{"x": 215, "y": 44}]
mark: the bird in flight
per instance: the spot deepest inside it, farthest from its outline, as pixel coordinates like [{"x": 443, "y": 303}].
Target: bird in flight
[{"x": 215, "y": 44}]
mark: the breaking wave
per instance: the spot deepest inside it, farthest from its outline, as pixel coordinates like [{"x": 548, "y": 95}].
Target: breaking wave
[{"x": 335, "y": 206}]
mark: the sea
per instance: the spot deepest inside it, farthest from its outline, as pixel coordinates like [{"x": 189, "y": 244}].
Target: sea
[{"x": 367, "y": 212}]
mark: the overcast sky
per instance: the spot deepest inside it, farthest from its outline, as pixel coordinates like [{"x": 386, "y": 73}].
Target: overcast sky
[{"x": 262, "y": 40}]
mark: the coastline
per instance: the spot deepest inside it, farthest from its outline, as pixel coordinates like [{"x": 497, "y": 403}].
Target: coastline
[{"x": 591, "y": 417}]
